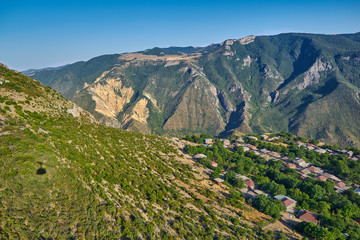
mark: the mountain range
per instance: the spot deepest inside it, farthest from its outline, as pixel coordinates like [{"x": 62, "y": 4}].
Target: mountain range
[{"x": 306, "y": 84}]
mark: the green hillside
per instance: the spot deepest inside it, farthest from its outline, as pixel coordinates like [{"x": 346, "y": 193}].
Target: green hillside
[{"x": 64, "y": 176}]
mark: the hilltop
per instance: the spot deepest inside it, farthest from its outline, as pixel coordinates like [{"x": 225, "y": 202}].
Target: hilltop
[{"x": 306, "y": 84}]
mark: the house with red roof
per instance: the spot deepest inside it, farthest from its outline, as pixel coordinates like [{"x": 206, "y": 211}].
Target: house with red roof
[
  {"x": 290, "y": 165},
  {"x": 321, "y": 178},
  {"x": 214, "y": 164},
  {"x": 308, "y": 216},
  {"x": 315, "y": 170},
  {"x": 340, "y": 184},
  {"x": 289, "y": 203},
  {"x": 250, "y": 183}
]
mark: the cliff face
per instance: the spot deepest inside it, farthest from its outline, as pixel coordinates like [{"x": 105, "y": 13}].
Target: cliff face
[{"x": 288, "y": 82}]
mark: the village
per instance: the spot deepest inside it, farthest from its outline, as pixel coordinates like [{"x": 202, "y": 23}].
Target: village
[{"x": 303, "y": 169}]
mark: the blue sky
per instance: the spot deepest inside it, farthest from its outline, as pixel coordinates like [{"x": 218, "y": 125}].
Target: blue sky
[{"x": 37, "y": 34}]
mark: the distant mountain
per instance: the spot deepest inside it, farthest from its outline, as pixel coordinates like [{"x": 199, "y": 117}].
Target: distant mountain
[
  {"x": 307, "y": 84},
  {"x": 29, "y": 71}
]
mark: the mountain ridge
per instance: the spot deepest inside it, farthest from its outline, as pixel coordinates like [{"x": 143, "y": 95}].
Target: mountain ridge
[{"x": 251, "y": 84}]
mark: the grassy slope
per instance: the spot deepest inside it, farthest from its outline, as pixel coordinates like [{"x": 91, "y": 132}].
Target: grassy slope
[{"x": 63, "y": 176}]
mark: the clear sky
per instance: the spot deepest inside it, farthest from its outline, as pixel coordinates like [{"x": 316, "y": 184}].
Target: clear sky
[{"x": 37, "y": 34}]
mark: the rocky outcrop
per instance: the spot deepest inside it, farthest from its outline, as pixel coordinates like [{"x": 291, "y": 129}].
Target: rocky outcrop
[
  {"x": 313, "y": 74},
  {"x": 225, "y": 102},
  {"x": 139, "y": 112},
  {"x": 247, "y": 61},
  {"x": 198, "y": 110},
  {"x": 247, "y": 40},
  {"x": 270, "y": 73},
  {"x": 110, "y": 96}
]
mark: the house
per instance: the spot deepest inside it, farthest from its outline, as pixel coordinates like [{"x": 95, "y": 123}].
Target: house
[
  {"x": 285, "y": 158},
  {"x": 340, "y": 184},
  {"x": 299, "y": 143},
  {"x": 258, "y": 192},
  {"x": 305, "y": 171},
  {"x": 310, "y": 148},
  {"x": 264, "y": 137},
  {"x": 218, "y": 181},
  {"x": 238, "y": 175},
  {"x": 321, "y": 178},
  {"x": 308, "y": 216},
  {"x": 239, "y": 140},
  {"x": 226, "y": 142},
  {"x": 252, "y": 137},
  {"x": 350, "y": 153},
  {"x": 246, "y": 149},
  {"x": 250, "y": 183},
  {"x": 274, "y": 154},
  {"x": 315, "y": 169},
  {"x": 320, "y": 150},
  {"x": 330, "y": 176},
  {"x": 301, "y": 162},
  {"x": 287, "y": 202},
  {"x": 214, "y": 164},
  {"x": 290, "y": 165},
  {"x": 252, "y": 147},
  {"x": 208, "y": 141},
  {"x": 199, "y": 156},
  {"x": 357, "y": 191},
  {"x": 263, "y": 150},
  {"x": 273, "y": 139},
  {"x": 266, "y": 156},
  {"x": 256, "y": 153},
  {"x": 250, "y": 194}
]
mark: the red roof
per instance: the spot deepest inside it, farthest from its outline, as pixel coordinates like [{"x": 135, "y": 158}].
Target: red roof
[
  {"x": 321, "y": 178},
  {"x": 290, "y": 165},
  {"x": 340, "y": 184},
  {"x": 249, "y": 183},
  {"x": 251, "y": 146},
  {"x": 287, "y": 202},
  {"x": 308, "y": 217},
  {"x": 314, "y": 169},
  {"x": 213, "y": 163}
]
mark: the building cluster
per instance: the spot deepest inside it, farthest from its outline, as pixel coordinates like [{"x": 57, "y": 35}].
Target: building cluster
[{"x": 304, "y": 169}]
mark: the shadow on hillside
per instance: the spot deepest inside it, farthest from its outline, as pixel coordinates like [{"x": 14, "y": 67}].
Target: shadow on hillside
[{"x": 41, "y": 170}]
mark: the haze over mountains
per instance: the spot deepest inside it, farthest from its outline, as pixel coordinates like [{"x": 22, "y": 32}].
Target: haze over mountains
[{"x": 307, "y": 84}]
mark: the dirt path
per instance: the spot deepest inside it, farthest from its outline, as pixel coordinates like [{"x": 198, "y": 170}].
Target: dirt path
[{"x": 285, "y": 224}]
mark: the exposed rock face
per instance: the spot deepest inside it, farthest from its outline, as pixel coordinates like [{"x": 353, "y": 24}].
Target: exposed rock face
[
  {"x": 247, "y": 40},
  {"x": 199, "y": 109},
  {"x": 139, "y": 112},
  {"x": 225, "y": 102},
  {"x": 313, "y": 74},
  {"x": 272, "y": 73},
  {"x": 247, "y": 61},
  {"x": 275, "y": 96},
  {"x": 110, "y": 96}
]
